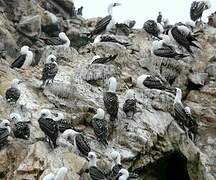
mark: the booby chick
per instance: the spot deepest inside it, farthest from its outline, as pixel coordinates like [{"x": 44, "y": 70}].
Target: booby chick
[
  {"x": 49, "y": 127},
  {"x": 99, "y": 125},
  {"x": 60, "y": 175},
  {"x": 4, "y": 133},
  {"x": 94, "y": 172},
  {"x": 105, "y": 24},
  {"x": 129, "y": 106},
  {"x": 102, "y": 60},
  {"x": 21, "y": 128},
  {"x": 49, "y": 71},
  {"x": 24, "y": 60},
  {"x": 13, "y": 93},
  {"x": 110, "y": 100}
]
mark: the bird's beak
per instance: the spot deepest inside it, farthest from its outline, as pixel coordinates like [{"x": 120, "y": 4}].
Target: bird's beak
[{"x": 117, "y": 4}]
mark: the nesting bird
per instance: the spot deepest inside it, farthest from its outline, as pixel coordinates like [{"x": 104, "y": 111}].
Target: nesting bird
[
  {"x": 99, "y": 125},
  {"x": 13, "y": 93},
  {"x": 197, "y": 8},
  {"x": 61, "y": 41},
  {"x": 102, "y": 60},
  {"x": 108, "y": 38},
  {"x": 50, "y": 70},
  {"x": 94, "y": 172},
  {"x": 24, "y": 60},
  {"x": 21, "y": 128},
  {"x": 49, "y": 127},
  {"x": 129, "y": 106},
  {"x": 105, "y": 24},
  {"x": 4, "y": 132},
  {"x": 153, "y": 28},
  {"x": 116, "y": 164},
  {"x": 159, "y": 18},
  {"x": 60, "y": 175},
  {"x": 110, "y": 100}
]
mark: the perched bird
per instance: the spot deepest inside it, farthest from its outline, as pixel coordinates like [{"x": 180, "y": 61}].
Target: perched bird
[
  {"x": 197, "y": 8},
  {"x": 123, "y": 174},
  {"x": 62, "y": 123},
  {"x": 61, "y": 41},
  {"x": 20, "y": 129},
  {"x": 192, "y": 125},
  {"x": 180, "y": 35},
  {"x": 60, "y": 175},
  {"x": 99, "y": 125},
  {"x": 164, "y": 48},
  {"x": 129, "y": 106},
  {"x": 50, "y": 70},
  {"x": 116, "y": 164},
  {"x": 24, "y": 60},
  {"x": 110, "y": 100},
  {"x": 102, "y": 60},
  {"x": 159, "y": 18},
  {"x": 130, "y": 23},
  {"x": 94, "y": 172},
  {"x": 13, "y": 93},
  {"x": 153, "y": 28},
  {"x": 109, "y": 38},
  {"x": 49, "y": 127},
  {"x": 106, "y": 23},
  {"x": 4, "y": 132},
  {"x": 79, "y": 11},
  {"x": 179, "y": 110},
  {"x": 152, "y": 82}
]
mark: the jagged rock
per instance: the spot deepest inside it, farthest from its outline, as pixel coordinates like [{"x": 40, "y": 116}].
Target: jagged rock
[
  {"x": 198, "y": 79},
  {"x": 211, "y": 70},
  {"x": 30, "y": 26}
]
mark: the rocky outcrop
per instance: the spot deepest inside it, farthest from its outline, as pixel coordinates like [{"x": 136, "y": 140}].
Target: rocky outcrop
[{"x": 151, "y": 144}]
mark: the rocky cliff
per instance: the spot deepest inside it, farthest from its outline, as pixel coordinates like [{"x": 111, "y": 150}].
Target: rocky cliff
[{"x": 152, "y": 145}]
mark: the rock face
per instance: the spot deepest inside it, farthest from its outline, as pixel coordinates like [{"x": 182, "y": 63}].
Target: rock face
[{"x": 152, "y": 144}]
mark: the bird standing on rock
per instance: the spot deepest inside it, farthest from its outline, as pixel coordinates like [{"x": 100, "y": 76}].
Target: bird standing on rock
[
  {"x": 129, "y": 106},
  {"x": 13, "y": 93},
  {"x": 4, "y": 132}
]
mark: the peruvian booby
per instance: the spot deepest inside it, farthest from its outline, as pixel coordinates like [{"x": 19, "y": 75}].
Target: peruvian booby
[
  {"x": 153, "y": 28},
  {"x": 13, "y": 93},
  {"x": 103, "y": 60},
  {"x": 52, "y": 27},
  {"x": 164, "y": 48},
  {"x": 4, "y": 132},
  {"x": 94, "y": 172},
  {"x": 60, "y": 175},
  {"x": 129, "y": 106},
  {"x": 79, "y": 11},
  {"x": 62, "y": 123},
  {"x": 99, "y": 125},
  {"x": 49, "y": 127},
  {"x": 106, "y": 23},
  {"x": 109, "y": 38},
  {"x": 123, "y": 174},
  {"x": 152, "y": 82},
  {"x": 192, "y": 125},
  {"x": 21, "y": 128},
  {"x": 159, "y": 18},
  {"x": 182, "y": 37},
  {"x": 197, "y": 8},
  {"x": 50, "y": 70},
  {"x": 110, "y": 100},
  {"x": 116, "y": 164},
  {"x": 24, "y": 60},
  {"x": 179, "y": 110},
  {"x": 61, "y": 41}
]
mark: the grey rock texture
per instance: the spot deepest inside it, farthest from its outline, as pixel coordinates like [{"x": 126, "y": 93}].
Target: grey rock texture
[{"x": 151, "y": 138}]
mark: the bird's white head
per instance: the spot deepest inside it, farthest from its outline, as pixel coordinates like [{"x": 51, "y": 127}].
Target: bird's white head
[
  {"x": 45, "y": 113},
  {"x": 112, "y": 84},
  {"x": 60, "y": 116},
  {"x": 184, "y": 29},
  {"x": 51, "y": 58},
  {"x": 166, "y": 39},
  {"x": 116, "y": 157},
  {"x": 141, "y": 79},
  {"x": 100, "y": 114},
  {"x": 160, "y": 13},
  {"x": 15, "y": 117},
  {"x": 92, "y": 155},
  {"x": 123, "y": 174},
  {"x": 63, "y": 36},
  {"x": 15, "y": 83},
  {"x": 95, "y": 57},
  {"x": 190, "y": 23},
  {"x": 187, "y": 110},
  {"x": 160, "y": 27},
  {"x": 130, "y": 94},
  {"x": 178, "y": 96},
  {"x": 5, "y": 124},
  {"x": 49, "y": 176},
  {"x": 24, "y": 50},
  {"x": 52, "y": 17},
  {"x": 97, "y": 39},
  {"x": 156, "y": 44},
  {"x": 110, "y": 7},
  {"x": 165, "y": 21}
]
